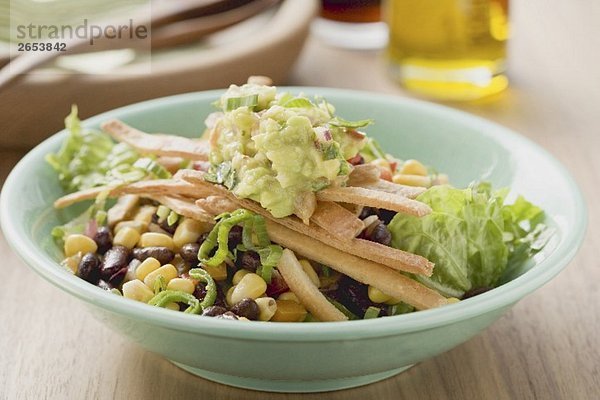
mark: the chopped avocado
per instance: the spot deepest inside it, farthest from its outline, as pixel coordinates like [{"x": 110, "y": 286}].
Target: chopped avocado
[{"x": 279, "y": 146}]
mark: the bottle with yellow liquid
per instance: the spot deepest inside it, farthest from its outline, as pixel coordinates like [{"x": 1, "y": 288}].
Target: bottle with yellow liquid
[{"x": 448, "y": 49}]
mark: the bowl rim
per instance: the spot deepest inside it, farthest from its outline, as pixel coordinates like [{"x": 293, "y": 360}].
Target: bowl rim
[{"x": 500, "y": 297}]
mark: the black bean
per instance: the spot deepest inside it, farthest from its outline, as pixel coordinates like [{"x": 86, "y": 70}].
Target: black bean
[
  {"x": 476, "y": 291},
  {"x": 189, "y": 253},
  {"x": 235, "y": 237},
  {"x": 353, "y": 295},
  {"x": 163, "y": 254},
  {"x": 103, "y": 239},
  {"x": 249, "y": 260},
  {"x": 214, "y": 311},
  {"x": 117, "y": 278},
  {"x": 228, "y": 315},
  {"x": 379, "y": 233},
  {"x": 115, "y": 259},
  {"x": 89, "y": 268},
  {"x": 246, "y": 308}
]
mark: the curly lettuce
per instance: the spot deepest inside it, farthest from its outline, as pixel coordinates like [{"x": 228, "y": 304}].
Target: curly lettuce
[
  {"x": 89, "y": 158},
  {"x": 472, "y": 236}
]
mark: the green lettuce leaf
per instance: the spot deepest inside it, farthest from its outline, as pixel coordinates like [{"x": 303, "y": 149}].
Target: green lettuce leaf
[
  {"x": 472, "y": 236},
  {"x": 89, "y": 158}
]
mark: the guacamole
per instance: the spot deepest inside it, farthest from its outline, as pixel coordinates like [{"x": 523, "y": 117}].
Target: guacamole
[{"x": 276, "y": 148}]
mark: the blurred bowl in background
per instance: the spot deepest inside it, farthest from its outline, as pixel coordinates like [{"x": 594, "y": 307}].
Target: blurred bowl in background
[{"x": 267, "y": 44}]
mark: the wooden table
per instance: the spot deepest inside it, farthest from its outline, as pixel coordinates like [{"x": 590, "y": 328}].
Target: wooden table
[{"x": 546, "y": 347}]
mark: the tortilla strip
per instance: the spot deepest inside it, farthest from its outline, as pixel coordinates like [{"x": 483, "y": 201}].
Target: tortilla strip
[
  {"x": 159, "y": 144},
  {"x": 390, "y": 187},
  {"x": 185, "y": 207},
  {"x": 216, "y": 205},
  {"x": 122, "y": 209},
  {"x": 364, "y": 174},
  {"x": 306, "y": 291},
  {"x": 373, "y": 198},
  {"x": 156, "y": 186},
  {"x": 389, "y": 256},
  {"x": 337, "y": 220},
  {"x": 368, "y": 272}
]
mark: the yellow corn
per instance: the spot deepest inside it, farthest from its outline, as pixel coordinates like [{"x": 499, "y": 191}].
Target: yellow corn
[
  {"x": 229, "y": 294},
  {"x": 310, "y": 271},
  {"x": 167, "y": 271},
  {"x": 218, "y": 273},
  {"x": 150, "y": 239},
  {"x": 127, "y": 237},
  {"x": 72, "y": 263},
  {"x": 251, "y": 286},
  {"x": 376, "y": 295},
  {"x": 136, "y": 290},
  {"x": 237, "y": 277},
  {"x": 181, "y": 284},
  {"x": 148, "y": 265},
  {"x": 382, "y": 163},
  {"x": 392, "y": 301},
  {"x": 289, "y": 296},
  {"x": 413, "y": 167},
  {"x": 289, "y": 311},
  {"x": 452, "y": 300},
  {"x": 267, "y": 307},
  {"x": 144, "y": 214},
  {"x": 412, "y": 180},
  {"x": 140, "y": 227},
  {"x": 172, "y": 306},
  {"x": 79, "y": 244},
  {"x": 188, "y": 231}
]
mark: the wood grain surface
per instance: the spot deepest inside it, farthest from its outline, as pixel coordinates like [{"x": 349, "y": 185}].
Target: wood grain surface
[{"x": 546, "y": 347}]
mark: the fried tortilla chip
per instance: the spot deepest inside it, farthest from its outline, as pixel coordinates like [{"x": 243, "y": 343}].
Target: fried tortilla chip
[{"x": 158, "y": 144}]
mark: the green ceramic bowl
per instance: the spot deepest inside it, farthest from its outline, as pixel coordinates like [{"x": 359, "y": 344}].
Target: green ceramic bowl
[{"x": 317, "y": 356}]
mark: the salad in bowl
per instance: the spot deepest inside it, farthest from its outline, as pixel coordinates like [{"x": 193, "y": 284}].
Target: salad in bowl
[{"x": 281, "y": 211}]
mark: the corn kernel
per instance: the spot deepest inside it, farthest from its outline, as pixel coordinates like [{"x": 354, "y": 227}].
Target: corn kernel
[
  {"x": 376, "y": 295},
  {"x": 237, "y": 277},
  {"x": 228, "y": 295},
  {"x": 148, "y": 265},
  {"x": 251, "y": 286},
  {"x": 289, "y": 296},
  {"x": 412, "y": 180},
  {"x": 188, "y": 231},
  {"x": 167, "y": 271},
  {"x": 413, "y": 167},
  {"x": 144, "y": 214},
  {"x": 151, "y": 239},
  {"x": 79, "y": 244},
  {"x": 452, "y": 300},
  {"x": 127, "y": 237},
  {"x": 267, "y": 307},
  {"x": 392, "y": 301},
  {"x": 382, "y": 163},
  {"x": 172, "y": 306},
  {"x": 72, "y": 263},
  {"x": 181, "y": 284},
  {"x": 218, "y": 273},
  {"x": 140, "y": 227},
  {"x": 289, "y": 311},
  {"x": 136, "y": 290},
  {"x": 310, "y": 271}
]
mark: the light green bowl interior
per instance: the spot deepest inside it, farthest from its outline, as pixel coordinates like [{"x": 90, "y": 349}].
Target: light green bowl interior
[{"x": 463, "y": 146}]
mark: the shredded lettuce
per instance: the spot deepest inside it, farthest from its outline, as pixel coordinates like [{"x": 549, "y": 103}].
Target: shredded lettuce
[
  {"x": 89, "y": 158},
  {"x": 472, "y": 236}
]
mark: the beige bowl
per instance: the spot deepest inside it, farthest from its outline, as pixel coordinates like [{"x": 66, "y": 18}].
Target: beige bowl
[{"x": 268, "y": 44}]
